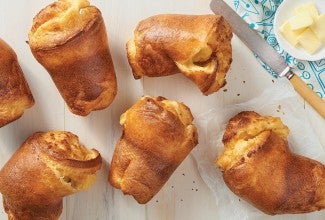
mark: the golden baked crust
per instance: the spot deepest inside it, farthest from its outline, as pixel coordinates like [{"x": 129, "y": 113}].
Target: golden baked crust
[
  {"x": 15, "y": 94},
  {"x": 258, "y": 166},
  {"x": 69, "y": 39},
  {"x": 60, "y": 21},
  {"x": 199, "y": 46},
  {"x": 47, "y": 167},
  {"x": 157, "y": 136}
]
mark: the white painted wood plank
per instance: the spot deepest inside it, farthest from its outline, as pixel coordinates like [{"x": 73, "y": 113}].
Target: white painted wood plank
[{"x": 184, "y": 196}]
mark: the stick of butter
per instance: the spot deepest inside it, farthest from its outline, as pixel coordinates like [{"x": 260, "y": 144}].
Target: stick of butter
[
  {"x": 319, "y": 27},
  {"x": 308, "y": 7},
  {"x": 301, "y": 20},
  {"x": 306, "y": 28},
  {"x": 309, "y": 41},
  {"x": 290, "y": 35}
]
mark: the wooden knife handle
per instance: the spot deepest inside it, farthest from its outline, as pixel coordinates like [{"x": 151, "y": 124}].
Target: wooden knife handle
[{"x": 308, "y": 94}]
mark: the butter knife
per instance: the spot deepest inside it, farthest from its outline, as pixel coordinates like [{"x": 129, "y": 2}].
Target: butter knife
[{"x": 267, "y": 54}]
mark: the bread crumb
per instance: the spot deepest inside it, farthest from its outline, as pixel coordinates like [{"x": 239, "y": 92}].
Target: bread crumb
[{"x": 225, "y": 90}]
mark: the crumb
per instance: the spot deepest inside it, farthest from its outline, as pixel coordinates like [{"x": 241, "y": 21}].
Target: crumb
[
  {"x": 279, "y": 107},
  {"x": 157, "y": 201},
  {"x": 193, "y": 181},
  {"x": 283, "y": 113},
  {"x": 238, "y": 94},
  {"x": 225, "y": 90},
  {"x": 277, "y": 110},
  {"x": 192, "y": 189},
  {"x": 27, "y": 42},
  {"x": 197, "y": 190},
  {"x": 272, "y": 80},
  {"x": 181, "y": 200},
  {"x": 172, "y": 187},
  {"x": 244, "y": 81},
  {"x": 239, "y": 200},
  {"x": 183, "y": 174}
]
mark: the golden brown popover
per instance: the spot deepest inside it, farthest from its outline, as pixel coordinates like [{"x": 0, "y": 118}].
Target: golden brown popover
[
  {"x": 199, "y": 46},
  {"x": 47, "y": 167},
  {"x": 69, "y": 39},
  {"x": 258, "y": 166},
  {"x": 15, "y": 95},
  {"x": 157, "y": 136}
]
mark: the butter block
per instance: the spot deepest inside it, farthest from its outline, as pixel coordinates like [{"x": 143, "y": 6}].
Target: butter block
[
  {"x": 308, "y": 7},
  {"x": 319, "y": 27},
  {"x": 301, "y": 20},
  {"x": 290, "y": 35},
  {"x": 309, "y": 41}
]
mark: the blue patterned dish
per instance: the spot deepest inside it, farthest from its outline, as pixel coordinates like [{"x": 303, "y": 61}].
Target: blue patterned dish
[
  {"x": 283, "y": 13},
  {"x": 259, "y": 14}
]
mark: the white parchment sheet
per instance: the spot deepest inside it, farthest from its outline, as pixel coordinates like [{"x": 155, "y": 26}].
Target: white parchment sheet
[{"x": 278, "y": 100}]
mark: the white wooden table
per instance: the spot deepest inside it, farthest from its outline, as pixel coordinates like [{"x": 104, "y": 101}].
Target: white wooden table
[{"x": 185, "y": 196}]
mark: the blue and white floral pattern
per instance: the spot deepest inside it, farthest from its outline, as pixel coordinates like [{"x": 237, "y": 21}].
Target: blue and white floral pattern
[{"x": 259, "y": 14}]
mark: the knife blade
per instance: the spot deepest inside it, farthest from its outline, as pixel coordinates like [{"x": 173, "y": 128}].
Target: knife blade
[
  {"x": 250, "y": 37},
  {"x": 267, "y": 53}
]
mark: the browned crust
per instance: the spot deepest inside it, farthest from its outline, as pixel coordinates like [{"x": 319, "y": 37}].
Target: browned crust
[
  {"x": 82, "y": 68},
  {"x": 30, "y": 186},
  {"x": 63, "y": 157},
  {"x": 272, "y": 178},
  {"x": 15, "y": 93},
  {"x": 153, "y": 144},
  {"x": 165, "y": 39},
  {"x": 236, "y": 123},
  {"x": 59, "y": 37}
]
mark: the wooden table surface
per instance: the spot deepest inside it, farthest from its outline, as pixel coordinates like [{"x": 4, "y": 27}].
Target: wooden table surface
[{"x": 185, "y": 195}]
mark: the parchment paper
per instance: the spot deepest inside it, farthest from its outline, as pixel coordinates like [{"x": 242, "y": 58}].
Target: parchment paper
[{"x": 279, "y": 100}]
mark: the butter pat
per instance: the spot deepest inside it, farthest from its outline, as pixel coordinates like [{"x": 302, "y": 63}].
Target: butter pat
[
  {"x": 309, "y": 41},
  {"x": 301, "y": 20},
  {"x": 319, "y": 27},
  {"x": 290, "y": 35},
  {"x": 306, "y": 28},
  {"x": 308, "y": 7}
]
